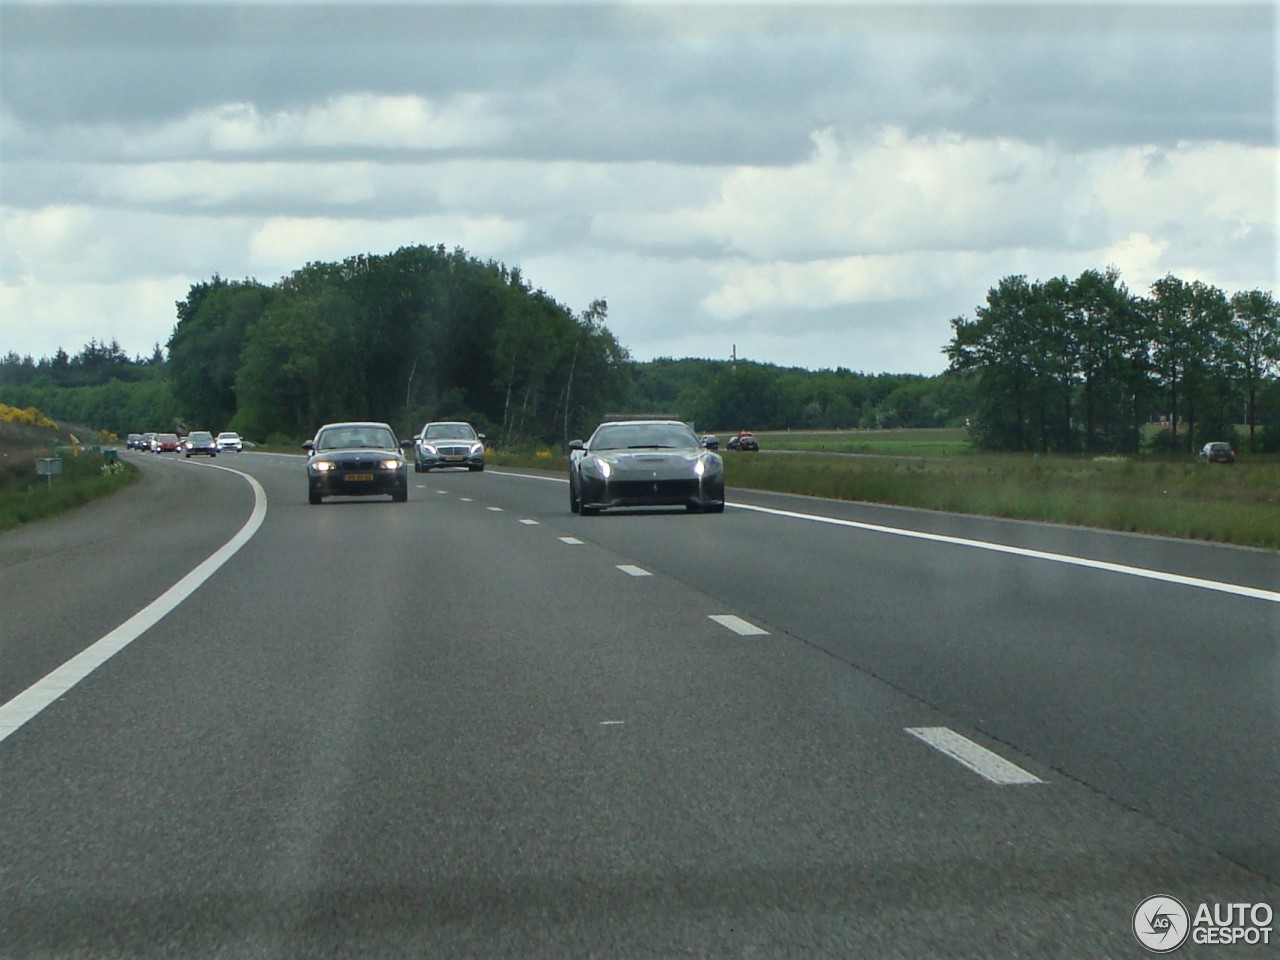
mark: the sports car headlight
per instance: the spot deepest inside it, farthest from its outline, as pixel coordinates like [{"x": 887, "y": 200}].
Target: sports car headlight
[
  {"x": 707, "y": 466},
  {"x": 391, "y": 464},
  {"x": 603, "y": 467},
  {"x": 323, "y": 466}
]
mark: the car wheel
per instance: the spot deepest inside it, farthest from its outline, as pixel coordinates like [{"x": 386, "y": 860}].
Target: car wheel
[
  {"x": 574, "y": 506},
  {"x": 588, "y": 511},
  {"x": 401, "y": 495},
  {"x": 715, "y": 508},
  {"x": 476, "y": 469},
  {"x": 314, "y": 498}
]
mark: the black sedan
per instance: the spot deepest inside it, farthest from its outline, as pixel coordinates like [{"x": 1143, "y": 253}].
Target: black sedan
[
  {"x": 644, "y": 463},
  {"x": 356, "y": 460},
  {"x": 199, "y": 443}
]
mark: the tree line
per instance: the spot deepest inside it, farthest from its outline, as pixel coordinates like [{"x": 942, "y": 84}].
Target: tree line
[
  {"x": 424, "y": 333},
  {"x": 1082, "y": 365}
]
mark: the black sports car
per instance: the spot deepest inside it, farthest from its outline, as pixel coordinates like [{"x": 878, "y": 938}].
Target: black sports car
[
  {"x": 356, "y": 460},
  {"x": 643, "y": 463}
]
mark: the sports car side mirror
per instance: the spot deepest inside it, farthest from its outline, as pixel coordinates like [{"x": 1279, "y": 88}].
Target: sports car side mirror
[
  {"x": 308, "y": 446},
  {"x": 577, "y": 445}
]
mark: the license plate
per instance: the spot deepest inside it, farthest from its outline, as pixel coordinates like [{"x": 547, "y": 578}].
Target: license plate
[
  {"x": 359, "y": 477},
  {"x": 453, "y": 459}
]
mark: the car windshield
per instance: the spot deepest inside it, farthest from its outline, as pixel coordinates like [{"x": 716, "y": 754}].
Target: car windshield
[
  {"x": 449, "y": 431},
  {"x": 356, "y": 437},
  {"x": 228, "y": 436},
  {"x": 642, "y": 436},
  {"x": 200, "y": 437}
]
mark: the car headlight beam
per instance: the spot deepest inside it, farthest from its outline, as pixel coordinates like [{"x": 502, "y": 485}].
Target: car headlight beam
[{"x": 323, "y": 466}]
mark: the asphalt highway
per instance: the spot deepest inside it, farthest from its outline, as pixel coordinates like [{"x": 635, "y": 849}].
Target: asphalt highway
[{"x": 476, "y": 725}]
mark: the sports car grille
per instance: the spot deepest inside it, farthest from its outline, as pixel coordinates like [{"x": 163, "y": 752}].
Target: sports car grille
[{"x": 643, "y": 489}]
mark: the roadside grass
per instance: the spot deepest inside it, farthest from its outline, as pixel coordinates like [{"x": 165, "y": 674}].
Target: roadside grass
[
  {"x": 26, "y": 497},
  {"x": 939, "y": 442},
  {"x": 1166, "y": 496}
]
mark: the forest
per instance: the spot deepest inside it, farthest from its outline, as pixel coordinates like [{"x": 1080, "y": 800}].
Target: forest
[{"x": 427, "y": 333}]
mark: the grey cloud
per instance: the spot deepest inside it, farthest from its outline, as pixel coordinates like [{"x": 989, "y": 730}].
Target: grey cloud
[{"x": 687, "y": 84}]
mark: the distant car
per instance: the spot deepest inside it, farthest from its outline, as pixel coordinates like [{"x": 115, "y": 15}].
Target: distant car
[
  {"x": 133, "y": 441},
  {"x": 448, "y": 443},
  {"x": 230, "y": 441},
  {"x": 145, "y": 443},
  {"x": 357, "y": 459},
  {"x": 710, "y": 441},
  {"x": 1217, "y": 452},
  {"x": 643, "y": 463},
  {"x": 199, "y": 443},
  {"x": 745, "y": 440},
  {"x": 165, "y": 443}
]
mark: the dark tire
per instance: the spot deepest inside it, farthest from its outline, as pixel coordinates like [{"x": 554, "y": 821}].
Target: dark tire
[
  {"x": 401, "y": 495},
  {"x": 417, "y": 467},
  {"x": 476, "y": 469},
  {"x": 715, "y": 508},
  {"x": 314, "y": 498},
  {"x": 588, "y": 511},
  {"x": 574, "y": 506}
]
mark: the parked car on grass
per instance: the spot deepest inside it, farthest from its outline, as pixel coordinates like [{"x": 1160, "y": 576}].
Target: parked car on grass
[{"x": 1217, "y": 452}]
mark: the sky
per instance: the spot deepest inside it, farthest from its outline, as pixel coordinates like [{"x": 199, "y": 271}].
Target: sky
[{"x": 808, "y": 184}]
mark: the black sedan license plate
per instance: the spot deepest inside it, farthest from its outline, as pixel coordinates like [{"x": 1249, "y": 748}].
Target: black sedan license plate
[{"x": 359, "y": 477}]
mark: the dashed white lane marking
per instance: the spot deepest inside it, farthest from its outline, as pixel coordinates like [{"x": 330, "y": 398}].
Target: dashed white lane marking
[
  {"x": 467, "y": 499},
  {"x": 1218, "y": 585},
  {"x": 632, "y": 570},
  {"x": 494, "y": 509},
  {"x": 979, "y": 759},
  {"x": 612, "y": 723},
  {"x": 739, "y": 626},
  {"x": 445, "y": 492},
  {"x": 528, "y": 523},
  {"x": 53, "y": 685},
  {"x": 572, "y": 541}
]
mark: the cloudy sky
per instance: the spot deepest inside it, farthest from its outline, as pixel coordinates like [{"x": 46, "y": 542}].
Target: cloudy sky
[{"x": 817, "y": 185}]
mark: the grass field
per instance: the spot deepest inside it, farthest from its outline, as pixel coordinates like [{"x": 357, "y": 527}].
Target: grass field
[
  {"x": 25, "y": 497},
  {"x": 936, "y": 470}
]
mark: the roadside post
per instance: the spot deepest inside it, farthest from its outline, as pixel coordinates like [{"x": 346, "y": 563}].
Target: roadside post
[{"x": 49, "y": 467}]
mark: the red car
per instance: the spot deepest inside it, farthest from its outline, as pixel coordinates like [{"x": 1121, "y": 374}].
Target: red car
[{"x": 164, "y": 443}]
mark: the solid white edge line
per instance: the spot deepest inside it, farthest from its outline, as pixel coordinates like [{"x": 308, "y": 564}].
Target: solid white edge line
[
  {"x": 1255, "y": 593},
  {"x": 739, "y": 626},
  {"x": 988, "y": 765},
  {"x": 30, "y": 702},
  {"x": 1220, "y": 586}
]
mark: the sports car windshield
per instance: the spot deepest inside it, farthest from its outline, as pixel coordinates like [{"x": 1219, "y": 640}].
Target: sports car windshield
[
  {"x": 643, "y": 436},
  {"x": 449, "y": 431},
  {"x": 346, "y": 438}
]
